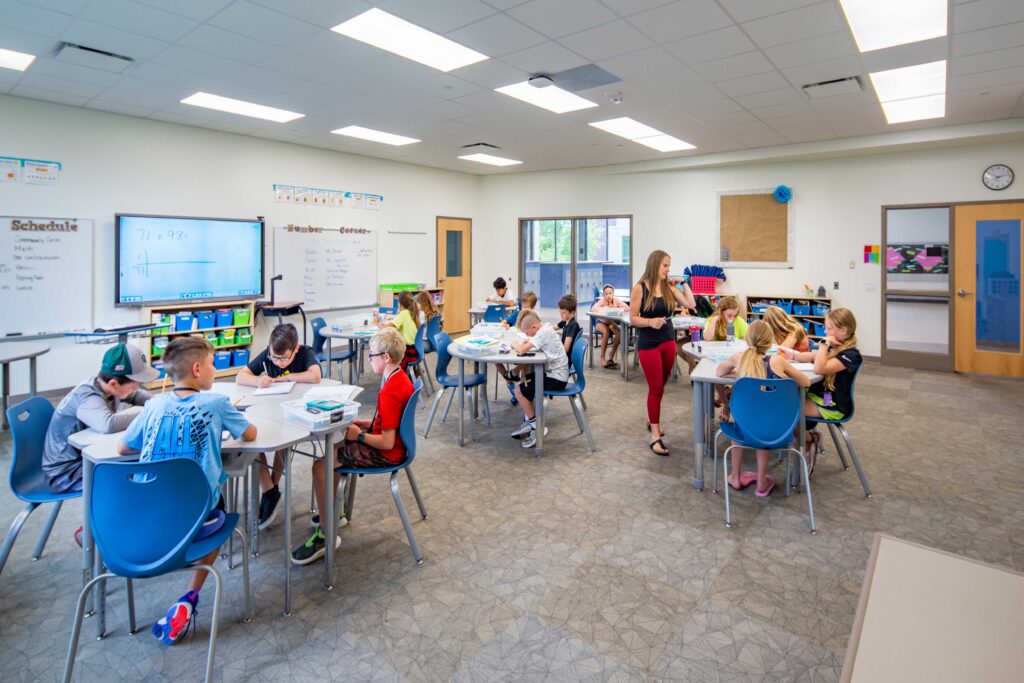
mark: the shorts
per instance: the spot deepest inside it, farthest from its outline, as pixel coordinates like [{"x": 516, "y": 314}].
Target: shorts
[
  {"x": 68, "y": 481},
  {"x": 410, "y": 356},
  {"x": 356, "y": 454},
  {"x": 827, "y": 413},
  {"x": 550, "y": 384}
]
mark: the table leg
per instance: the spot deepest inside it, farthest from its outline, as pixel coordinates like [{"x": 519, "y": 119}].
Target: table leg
[
  {"x": 698, "y": 436},
  {"x": 329, "y": 363},
  {"x": 473, "y": 407},
  {"x": 802, "y": 438},
  {"x": 31, "y": 379},
  {"x": 538, "y": 405},
  {"x": 327, "y": 519},
  {"x": 624, "y": 344},
  {"x": 254, "y": 507},
  {"x": 6, "y": 393},
  {"x": 304, "y": 325},
  {"x": 353, "y": 363},
  {"x": 288, "y": 533},
  {"x": 87, "y": 543},
  {"x": 592, "y": 340},
  {"x": 462, "y": 398}
]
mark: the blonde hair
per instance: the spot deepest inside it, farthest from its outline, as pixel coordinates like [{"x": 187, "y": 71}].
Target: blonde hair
[
  {"x": 426, "y": 303},
  {"x": 527, "y": 317},
  {"x": 759, "y": 340},
  {"x": 529, "y": 299},
  {"x": 651, "y": 276},
  {"x": 390, "y": 341},
  {"x": 726, "y": 303},
  {"x": 843, "y": 318},
  {"x": 783, "y": 325},
  {"x": 407, "y": 303}
]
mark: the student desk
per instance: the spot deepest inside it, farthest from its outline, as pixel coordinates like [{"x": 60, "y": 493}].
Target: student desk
[
  {"x": 15, "y": 351},
  {"x": 538, "y": 362},
  {"x": 928, "y": 615},
  {"x": 357, "y": 337},
  {"x": 703, "y": 378}
]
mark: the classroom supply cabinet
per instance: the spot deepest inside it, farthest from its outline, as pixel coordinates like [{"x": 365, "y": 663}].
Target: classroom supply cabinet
[{"x": 809, "y": 311}]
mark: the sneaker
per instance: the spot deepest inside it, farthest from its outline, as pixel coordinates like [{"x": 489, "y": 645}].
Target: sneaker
[
  {"x": 269, "y": 505},
  {"x": 342, "y": 521},
  {"x": 313, "y": 549},
  {"x": 512, "y": 377},
  {"x": 78, "y": 536},
  {"x": 531, "y": 440},
  {"x": 176, "y": 622},
  {"x": 514, "y": 401},
  {"x": 522, "y": 430}
]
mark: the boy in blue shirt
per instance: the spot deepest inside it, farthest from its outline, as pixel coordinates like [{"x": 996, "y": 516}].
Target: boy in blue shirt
[{"x": 185, "y": 423}]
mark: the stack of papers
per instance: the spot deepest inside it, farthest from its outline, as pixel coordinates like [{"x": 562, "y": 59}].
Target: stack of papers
[
  {"x": 804, "y": 367},
  {"x": 275, "y": 388}
]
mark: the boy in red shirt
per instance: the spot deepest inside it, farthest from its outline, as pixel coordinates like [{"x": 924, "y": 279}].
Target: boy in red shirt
[{"x": 368, "y": 443}]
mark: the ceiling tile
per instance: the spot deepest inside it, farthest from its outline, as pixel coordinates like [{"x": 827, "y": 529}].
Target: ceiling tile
[
  {"x": 325, "y": 50},
  {"x": 627, "y": 7},
  {"x": 767, "y": 99},
  {"x": 610, "y": 40},
  {"x": 264, "y": 24},
  {"x": 200, "y": 10},
  {"x": 32, "y": 19},
  {"x": 454, "y": 14},
  {"x": 557, "y": 18},
  {"x": 504, "y": 4},
  {"x": 496, "y": 35},
  {"x": 448, "y": 87},
  {"x": 987, "y": 61},
  {"x": 680, "y": 20},
  {"x": 59, "y": 97},
  {"x": 48, "y": 66},
  {"x": 705, "y": 47},
  {"x": 549, "y": 57},
  {"x": 147, "y": 102},
  {"x": 819, "y": 48},
  {"x": 199, "y": 62},
  {"x": 851, "y": 106},
  {"x": 109, "y": 39},
  {"x": 140, "y": 19},
  {"x": 986, "y": 13},
  {"x": 986, "y": 78},
  {"x": 737, "y": 66},
  {"x": 265, "y": 81},
  {"x": 798, "y": 24},
  {"x": 713, "y": 108},
  {"x": 230, "y": 45},
  {"x": 806, "y": 134},
  {"x": 139, "y": 86},
  {"x": 162, "y": 73},
  {"x": 745, "y": 10},
  {"x": 751, "y": 85},
  {"x": 65, "y": 6},
  {"x": 654, "y": 69},
  {"x": 823, "y": 71},
  {"x": 490, "y": 73},
  {"x": 70, "y": 87},
  {"x": 787, "y": 109},
  {"x": 996, "y": 38},
  {"x": 318, "y": 12},
  {"x": 24, "y": 41}
]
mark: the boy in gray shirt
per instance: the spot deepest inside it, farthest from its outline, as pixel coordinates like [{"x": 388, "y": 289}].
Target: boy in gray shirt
[{"x": 91, "y": 404}]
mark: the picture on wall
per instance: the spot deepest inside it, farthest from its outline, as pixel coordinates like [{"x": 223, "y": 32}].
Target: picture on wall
[{"x": 917, "y": 258}]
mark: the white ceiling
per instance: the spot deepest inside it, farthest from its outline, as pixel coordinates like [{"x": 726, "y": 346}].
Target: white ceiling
[{"x": 722, "y": 74}]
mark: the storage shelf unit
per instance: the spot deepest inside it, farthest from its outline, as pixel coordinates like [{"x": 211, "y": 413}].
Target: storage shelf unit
[
  {"x": 149, "y": 314},
  {"x": 389, "y": 298},
  {"x": 802, "y": 318}
]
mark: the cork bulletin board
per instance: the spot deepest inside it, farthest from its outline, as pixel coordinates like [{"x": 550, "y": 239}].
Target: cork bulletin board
[{"x": 754, "y": 230}]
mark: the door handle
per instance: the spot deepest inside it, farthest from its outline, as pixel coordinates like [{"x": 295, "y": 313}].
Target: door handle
[
  {"x": 440, "y": 279},
  {"x": 962, "y": 293}
]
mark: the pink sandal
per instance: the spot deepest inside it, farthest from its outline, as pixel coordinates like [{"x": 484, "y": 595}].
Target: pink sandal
[{"x": 771, "y": 485}]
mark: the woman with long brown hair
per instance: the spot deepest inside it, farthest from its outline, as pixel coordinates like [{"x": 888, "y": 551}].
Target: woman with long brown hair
[{"x": 652, "y": 302}]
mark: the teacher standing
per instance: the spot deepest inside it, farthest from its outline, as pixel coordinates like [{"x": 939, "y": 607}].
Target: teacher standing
[{"x": 652, "y": 302}]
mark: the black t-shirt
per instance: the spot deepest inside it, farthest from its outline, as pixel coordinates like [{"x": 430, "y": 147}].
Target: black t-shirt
[
  {"x": 304, "y": 359},
  {"x": 842, "y": 395},
  {"x": 569, "y": 330},
  {"x": 648, "y": 337}
]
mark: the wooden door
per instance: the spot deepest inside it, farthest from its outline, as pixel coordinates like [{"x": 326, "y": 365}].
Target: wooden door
[
  {"x": 454, "y": 271},
  {"x": 987, "y": 275}
]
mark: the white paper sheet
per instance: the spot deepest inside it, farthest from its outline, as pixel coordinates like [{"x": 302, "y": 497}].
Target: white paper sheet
[{"x": 275, "y": 388}]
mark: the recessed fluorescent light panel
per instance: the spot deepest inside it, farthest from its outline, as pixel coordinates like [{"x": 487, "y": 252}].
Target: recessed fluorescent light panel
[
  {"x": 490, "y": 159},
  {"x": 11, "y": 59},
  {"x": 257, "y": 111},
  {"x": 878, "y": 24},
  {"x": 386, "y": 31},
  {"x": 374, "y": 135},
  {"x": 912, "y": 93},
  {"x": 630, "y": 129},
  {"x": 551, "y": 97}
]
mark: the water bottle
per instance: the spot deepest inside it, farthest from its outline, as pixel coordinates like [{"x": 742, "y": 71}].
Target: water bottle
[{"x": 694, "y": 334}]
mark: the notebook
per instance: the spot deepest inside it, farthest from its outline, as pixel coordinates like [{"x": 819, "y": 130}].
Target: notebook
[{"x": 275, "y": 388}]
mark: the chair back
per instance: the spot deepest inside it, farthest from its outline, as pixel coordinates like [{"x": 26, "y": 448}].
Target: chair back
[
  {"x": 512, "y": 318},
  {"x": 765, "y": 410},
  {"x": 407, "y": 427},
  {"x": 494, "y": 313},
  {"x": 433, "y": 328},
  {"x": 418, "y": 343},
  {"x": 317, "y": 324},
  {"x": 441, "y": 342},
  {"x": 579, "y": 352},
  {"x": 853, "y": 382},
  {"x": 29, "y": 421},
  {"x": 144, "y": 515}
]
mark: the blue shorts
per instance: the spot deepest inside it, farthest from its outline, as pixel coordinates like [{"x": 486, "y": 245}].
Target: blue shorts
[{"x": 69, "y": 481}]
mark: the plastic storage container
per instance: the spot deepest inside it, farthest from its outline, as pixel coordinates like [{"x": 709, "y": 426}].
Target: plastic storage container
[
  {"x": 801, "y": 309},
  {"x": 702, "y": 284},
  {"x": 820, "y": 310},
  {"x": 758, "y": 308},
  {"x": 222, "y": 360},
  {"x": 206, "y": 319},
  {"x": 243, "y": 336},
  {"x": 240, "y": 316},
  {"x": 787, "y": 306},
  {"x": 183, "y": 321},
  {"x": 159, "y": 367},
  {"x": 227, "y": 337},
  {"x": 819, "y": 329},
  {"x": 159, "y": 344},
  {"x": 213, "y": 338},
  {"x": 224, "y": 317},
  {"x": 240, "y": 357}
]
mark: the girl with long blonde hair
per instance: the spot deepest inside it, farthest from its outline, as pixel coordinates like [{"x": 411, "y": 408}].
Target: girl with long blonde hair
[
  {"x": 427, "y": 309},
  {"x": 652, "y": 302},
  {"x": 756, "y": 362},
  {"x": 726, "y": 321},
  {"x": 786, "y": 330}
]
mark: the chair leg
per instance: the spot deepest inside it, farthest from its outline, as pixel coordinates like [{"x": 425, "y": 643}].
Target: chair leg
[
  {"x": 45, "y": 536},
  {"x": 580, "y": 417},
  {"x": 76, "y": 629},
  {"x": 416, "y": 492},
  {"x": 714, "y": 464},
  {"x": 12, "y": 534},
  {"x": 430, "y": 381},
  {"x": 129, "y": 590},
  {"x": 807, "y": 489},
  {"x": 574, "y": 413},
  {"x": 583, "y": 402},
  {"x": 448, "y": 406},
  {"x": 215, "y": 620},
  {"x": 725, "y": 480},
  {"x": 856, "y": 461},
  {"x": 839, "y": 449},
  {"x": 247, "y": 616},
  {"x": 350, "y": 496},
  {"x": 312, "y": 497},
  {"x": 228, "y": 493},
  {"x": 433, "y": 410},
  {"x": 487, "y": 407},
  {"x": 416, "y": 554}
]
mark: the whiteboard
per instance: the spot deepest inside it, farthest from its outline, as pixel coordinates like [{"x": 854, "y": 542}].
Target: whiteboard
[
  {"x": 326, "y": 267},
  {"x": 46, "y": 271}
]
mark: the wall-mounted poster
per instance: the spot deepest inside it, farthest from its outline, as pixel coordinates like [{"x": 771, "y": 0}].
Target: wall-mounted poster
[{"x": 917, "y": 258}]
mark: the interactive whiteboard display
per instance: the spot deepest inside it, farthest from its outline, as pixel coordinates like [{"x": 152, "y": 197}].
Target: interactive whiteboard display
[{"x": 163, "y": 259}]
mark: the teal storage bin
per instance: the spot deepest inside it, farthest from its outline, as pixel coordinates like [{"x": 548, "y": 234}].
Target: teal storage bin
[
  {"x": 787, "y": 306},
  {"x": 819, "y": 329},
  {"x": 183, "y": 321},
  {"x": 206, "y": 319},
  {"x": 240, "y": 357},
  {"x": 801, "y": 309},
  {"x": 225, "y": 317},
  {"x": 821, "y": 310},
  {"x": 222, "y": 360}
]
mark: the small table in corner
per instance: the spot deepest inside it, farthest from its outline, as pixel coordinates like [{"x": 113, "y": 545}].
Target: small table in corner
[
  {"x": 14, "y": 351},
  {"x": 281, "y": 309}
]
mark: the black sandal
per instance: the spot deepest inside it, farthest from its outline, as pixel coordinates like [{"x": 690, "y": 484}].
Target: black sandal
[
  {"x": 610, "y": 365},
  {"x": 662, "y": 431},
  {"x": 661, "y": 443}
]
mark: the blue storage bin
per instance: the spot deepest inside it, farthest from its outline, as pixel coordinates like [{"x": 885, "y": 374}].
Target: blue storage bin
[
  {"x": 807, "y": 326},
  {"x": 222, "y": 360},
  {"x": 819, "y": 329},
  {"x": 758, "y": 308},
  {"x": 206, "y": 319},
  {"x": 183, "y": 322},
  {"x": 820, "y": 310},
  {"x": 787, "y": 306},
  {"x": 225, "y": 317},
  {"x": 801, "y": 309},
  {"x": 159, "y": 367},
  {"x": 240, "y": 357}
]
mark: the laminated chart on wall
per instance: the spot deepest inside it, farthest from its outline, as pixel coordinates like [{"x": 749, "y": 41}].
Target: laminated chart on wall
[
  {"x": 326, "y": 267},
  {"x": 46, "y": 274}
]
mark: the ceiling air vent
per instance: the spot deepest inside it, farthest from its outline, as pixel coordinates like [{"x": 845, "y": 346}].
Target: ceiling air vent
[
  {"x": 837, "y": 86},
  {"x": 480, "y": 144},
  {"x": 93, "y": 58}
]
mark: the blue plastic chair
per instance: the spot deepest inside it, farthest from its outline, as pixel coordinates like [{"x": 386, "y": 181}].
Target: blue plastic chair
[
  {"x": 29, "y": 421},
  {"x": 145, "y": 517},
  {"x": 494, "y": 313},
  {"x": 451, "y": 381},
  {"x": 837, "y": 426},
  {"x": 418, "y": 367},
  {"x": 574, "y": 388},
  {"x": 765, "y": 413},
  {"x": 513, "y": 317},
  {"x": 407, "y": 433},
  {"x": 433, "y": 327},
  {"x": 337, "y": 355}
]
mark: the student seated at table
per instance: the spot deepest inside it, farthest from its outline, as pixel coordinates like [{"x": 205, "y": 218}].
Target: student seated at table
[
  {"x": 405, "y": 323},
  {"x": 426, "y": 307},
  {"x": 187, "y": 422},
  {"x": 91, "y": 405},
  {"x": 610, "y": 332},
  {"x": 786, "y": 330},
  {"x": 284, "y": 360},
  {"x": 569, "y": 326},
  {"x": 556, "y": 372},
  {"x": 368, "y": 443},
  {"x": 502, "y": 294},
  {"x": 726, "y": 324},
  {"x": 754, "y": 362}
]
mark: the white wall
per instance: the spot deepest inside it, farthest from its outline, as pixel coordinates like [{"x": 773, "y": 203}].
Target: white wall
[
  {"x": 123, "y": 164},
  {"x": 837, "y": 204}
]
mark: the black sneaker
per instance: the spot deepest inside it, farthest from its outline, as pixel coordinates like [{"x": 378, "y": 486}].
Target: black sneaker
[
  {"x": 313, "y": 549},
  {"x": 342, "y": 520},
  {"x": 512, "y": 377},
  {"x": 269, "y": 504}
]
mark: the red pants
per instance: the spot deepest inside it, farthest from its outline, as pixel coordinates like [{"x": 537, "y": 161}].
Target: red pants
[{"x": 657, "y": 366}]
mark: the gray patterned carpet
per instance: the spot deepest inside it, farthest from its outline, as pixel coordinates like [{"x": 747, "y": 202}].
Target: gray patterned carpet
[{"x": 578, "y": 566}]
